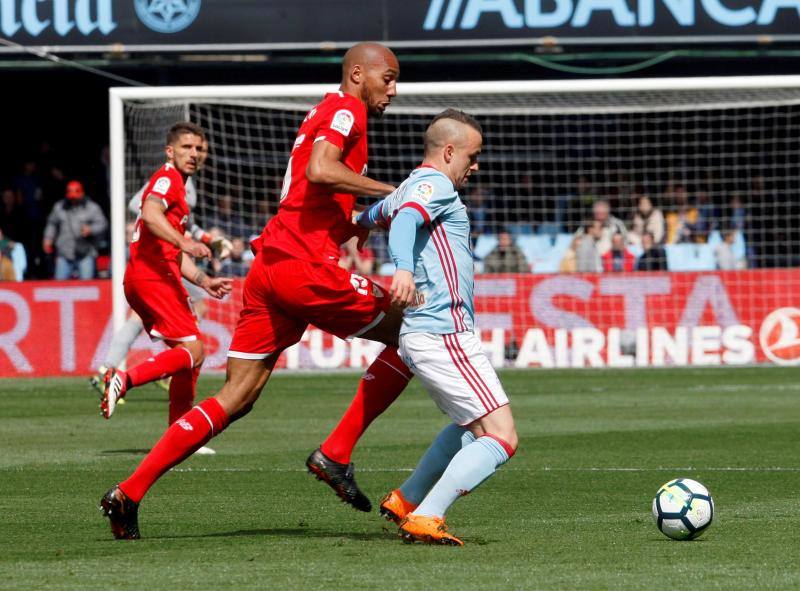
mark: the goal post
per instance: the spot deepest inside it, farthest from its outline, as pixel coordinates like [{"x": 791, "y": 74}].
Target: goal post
[{"x": 717, "y": 157}]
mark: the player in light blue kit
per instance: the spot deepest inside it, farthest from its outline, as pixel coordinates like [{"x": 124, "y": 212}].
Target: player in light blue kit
[{"x": 429, "y": 243}]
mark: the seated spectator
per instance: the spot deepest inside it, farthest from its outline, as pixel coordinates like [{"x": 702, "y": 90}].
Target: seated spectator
[
  {"x": 587, "y": 256},
  {"x": 361, "y": 262},
  {"x": 619, "y": 258},
  {"x": 707, "y": 217},
  {"x": 7, "y": 271},
  {"x": 506, "y": 257},
  {"x": 569, "y": 262},
  {"x": 74, "y": 228},
  {"x": 609, "y": 225},
  {"x": 647, "y": 219},
  {"x": 653, "y": 258},
  {"x": 682, "y": 219},
  {"x": 724, "y": 255}
]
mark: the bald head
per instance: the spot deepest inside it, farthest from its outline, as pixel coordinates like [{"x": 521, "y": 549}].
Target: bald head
[
  {"x": 369, "y": 72},
  {"x": 368, "y": 55}
]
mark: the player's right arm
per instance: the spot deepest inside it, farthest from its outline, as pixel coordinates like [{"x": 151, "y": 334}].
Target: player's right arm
[
  {"x": 402, "y": 235},
  {"x": 325, "y": 167},
  {"x": 153, "y": 217}
]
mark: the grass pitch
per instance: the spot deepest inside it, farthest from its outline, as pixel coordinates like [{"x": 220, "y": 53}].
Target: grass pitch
[{"x": 570, "y": 511}]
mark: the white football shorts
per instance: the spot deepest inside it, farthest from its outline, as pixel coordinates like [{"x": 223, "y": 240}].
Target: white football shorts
[{"x": 456, "y": 372}]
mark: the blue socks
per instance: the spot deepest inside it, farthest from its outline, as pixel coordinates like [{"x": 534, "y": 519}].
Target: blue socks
[
  {"x": 434, "y": 461},
  {"x": 473, "y": 464}
]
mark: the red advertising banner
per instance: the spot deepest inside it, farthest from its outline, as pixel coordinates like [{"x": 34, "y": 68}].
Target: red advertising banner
[{"x": 606, "y": 320}]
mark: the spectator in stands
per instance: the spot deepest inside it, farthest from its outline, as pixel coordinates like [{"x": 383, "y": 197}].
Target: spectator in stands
[
  {"x": 609, "y": 225},
  {"x": 226, "y": 220},
  {"x": 736, "y": 214},
  {"x": 647, "y": 219},
  {"x": 360, "y": 262},
  {"x": 74, "y": 229},
  {"x": 569, "y": 262},
  {"x": 587, "y": 256},
  {"x": 619, "y": 258},
  {"x": 238, "y": 263},
  {"x": 478, "y": 204},
  {"x": 724, "y": 255},
  {"x": 707, "y": 217},
  {"x": 7, "y": 271},
  {"x": 507, "y": 257},
  {"x": 653, "y": 258},
  {"x": 681, "y": 220},
  {"x": 13, "y": 221}
]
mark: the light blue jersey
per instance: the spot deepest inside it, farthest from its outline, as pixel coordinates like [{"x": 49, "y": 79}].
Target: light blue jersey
[{"x": 442, "y": 258}]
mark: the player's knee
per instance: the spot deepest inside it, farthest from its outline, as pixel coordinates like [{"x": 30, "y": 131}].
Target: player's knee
[
  {"x": 506, "y": 438},
  {"x": 198, "y": 352}
]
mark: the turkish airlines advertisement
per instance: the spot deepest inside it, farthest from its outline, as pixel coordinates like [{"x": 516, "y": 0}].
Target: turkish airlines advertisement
[{"x": 563, "y": 321}]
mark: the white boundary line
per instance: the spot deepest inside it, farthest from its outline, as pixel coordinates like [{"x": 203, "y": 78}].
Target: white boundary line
[{"x": 509, "y": 469}]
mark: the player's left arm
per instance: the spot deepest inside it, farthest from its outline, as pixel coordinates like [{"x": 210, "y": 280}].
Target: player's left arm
[{"x": 217, "y": 287}]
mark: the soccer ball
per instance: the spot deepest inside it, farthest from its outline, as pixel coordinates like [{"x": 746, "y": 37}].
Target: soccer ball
[{"x": 683, "y": 509}]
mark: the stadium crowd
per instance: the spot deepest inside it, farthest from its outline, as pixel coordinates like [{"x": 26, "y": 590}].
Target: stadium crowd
[{"x": 53, "y": 224}]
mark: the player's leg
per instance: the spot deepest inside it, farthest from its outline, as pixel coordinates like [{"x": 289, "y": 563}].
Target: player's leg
[
  {"x": 262, "y": 332},
  {"x": 121, "y": 343},
  {"x": 244, "y": 382},
  {"x": 379, "y": 386},
  {"x": 462, "y": 382},
  {"x": 403, "y": 500},
  {"x": 167, "y": 314},
  {"x": 349, "y": 306},
  {"x": 197, "y": 300}
]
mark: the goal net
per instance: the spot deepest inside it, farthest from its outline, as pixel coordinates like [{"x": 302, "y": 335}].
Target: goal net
[{"x": 615, "y": 222}]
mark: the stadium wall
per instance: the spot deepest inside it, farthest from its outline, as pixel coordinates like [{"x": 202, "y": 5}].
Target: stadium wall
[{"x": 606, "y": 320}]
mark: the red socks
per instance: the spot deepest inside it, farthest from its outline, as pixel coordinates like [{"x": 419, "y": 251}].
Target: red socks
[
  {"x": 382, "y": 383},
  {"x": 182, "y": 390},
  {"x": 162, "y": 365},
  {"x": 180, "y": 440}
]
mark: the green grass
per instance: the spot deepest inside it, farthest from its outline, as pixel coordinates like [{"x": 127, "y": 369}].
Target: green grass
[{"x": 570, "y": 511}]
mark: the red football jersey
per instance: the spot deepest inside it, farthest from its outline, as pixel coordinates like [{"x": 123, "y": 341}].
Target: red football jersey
[
  {"x": 312, "y": 221},
  {"x": 151, "y": 257}
]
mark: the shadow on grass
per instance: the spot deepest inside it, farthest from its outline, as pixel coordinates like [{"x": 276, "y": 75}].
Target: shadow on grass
[{"x": 287, "y": 532}]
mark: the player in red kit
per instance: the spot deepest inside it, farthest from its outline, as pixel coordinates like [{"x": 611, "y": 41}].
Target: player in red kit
[
  {"x": 295, "y": 281},
  {"x": 153, "y": 279}
]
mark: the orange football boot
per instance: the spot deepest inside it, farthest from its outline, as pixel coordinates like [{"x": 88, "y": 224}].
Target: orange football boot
[
  {"x": 429, "y": 530},
  {"x": 394, "y": 506}
]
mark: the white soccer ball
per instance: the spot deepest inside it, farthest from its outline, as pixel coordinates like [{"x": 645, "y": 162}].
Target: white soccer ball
[{"x": 683, "y": 509}]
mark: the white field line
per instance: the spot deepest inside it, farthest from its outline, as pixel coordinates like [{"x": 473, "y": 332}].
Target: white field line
[{"x": 541, "y": 469}]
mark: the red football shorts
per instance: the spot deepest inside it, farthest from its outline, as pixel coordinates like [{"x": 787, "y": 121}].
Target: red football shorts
[
  {"x": 165, "y": 309},
  {"x": 283, "y": 295}
]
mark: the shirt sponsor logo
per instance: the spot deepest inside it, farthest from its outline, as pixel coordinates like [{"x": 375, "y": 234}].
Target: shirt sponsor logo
[
  {"x": 343, "y": 122},
  {"x": 423, "y": 192},
  {"x": 780, "y": 336},
  {"x": 162, "y": 185}
]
